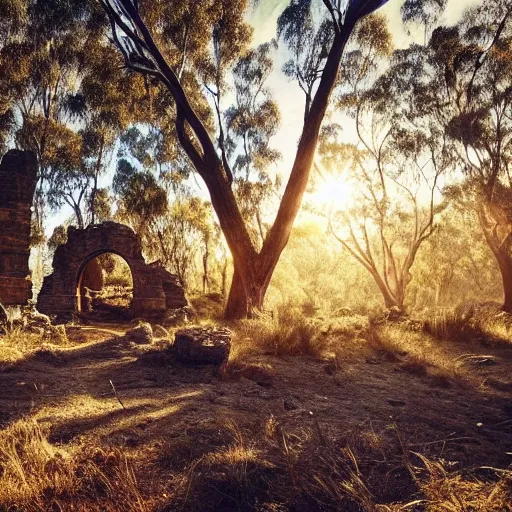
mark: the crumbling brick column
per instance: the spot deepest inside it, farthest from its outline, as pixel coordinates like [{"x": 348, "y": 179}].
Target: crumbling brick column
[{"x": 18, "y": 177}]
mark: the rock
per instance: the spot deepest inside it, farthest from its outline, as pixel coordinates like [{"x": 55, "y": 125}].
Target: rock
[
  {"x": 58, "y": 333},
  {"x": 396, "y": 403},
  {"x": 160, "y": 332},
  {"x": 36, "y": 319},
  {"x": 142, "y": 334},
  {"x": 290, "y": 405},
  {"x": 176, "y": 317},
  {"x": 202, "y": 345}
]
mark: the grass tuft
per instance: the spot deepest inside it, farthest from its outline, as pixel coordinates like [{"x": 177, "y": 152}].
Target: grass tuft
[{"x": 35, "y": 475}]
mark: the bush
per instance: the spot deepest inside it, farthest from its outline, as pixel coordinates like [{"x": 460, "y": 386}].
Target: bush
[{"x": 288, "y": 334}]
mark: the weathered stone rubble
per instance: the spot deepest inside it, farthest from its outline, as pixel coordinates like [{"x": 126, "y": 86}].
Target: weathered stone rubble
[
  {"x": 202, "y": 345},
  {"x": 142, "y": 334},
  {"x": 29, "y": 320},
  {"x": 154, "y": 289},
  {"x": 18, "y": 177},
  {"x": 177, "y": 317}
]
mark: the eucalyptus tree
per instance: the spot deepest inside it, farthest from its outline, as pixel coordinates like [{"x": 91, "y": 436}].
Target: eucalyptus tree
[
  {"x": 469, "y": 91},
  {"x": 425, "y": 13},
  {"x": 41, "y": 57},
  {"x": 398, "y": 160},
  {"x": 65, "y": 97},
  {"x": 309, "y": 37},
  {"x": 144, "y": 48}
]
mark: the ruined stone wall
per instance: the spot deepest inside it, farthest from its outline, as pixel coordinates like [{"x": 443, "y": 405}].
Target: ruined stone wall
[
  {"x": 154, "y": 289},
  {"x": 18, "y": 171}
]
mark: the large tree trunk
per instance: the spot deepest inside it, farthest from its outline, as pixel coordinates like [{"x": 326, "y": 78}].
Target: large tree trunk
[
  {"x": 253, "y": 269},
  {"x": 253, "y": 273},
  {"x": 390, "y": 300},
  {"x": 246, "y": 296}
]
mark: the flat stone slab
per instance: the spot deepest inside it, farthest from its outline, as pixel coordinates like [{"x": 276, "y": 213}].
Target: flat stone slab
[{"x": 202, "y": 345}]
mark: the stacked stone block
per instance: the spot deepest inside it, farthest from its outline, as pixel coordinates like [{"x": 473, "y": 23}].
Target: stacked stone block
[{"x": 18, "y": 177}]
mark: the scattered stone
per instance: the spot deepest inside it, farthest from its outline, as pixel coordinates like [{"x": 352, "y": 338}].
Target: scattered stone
[
  {"x": 290, "y": 405},
  {"x": 176, "y": 317},
  {"x": 59, "y": 333},
  {"x": 35, "y": 320},
  {"x": 142, "y": 334},
  {"x": 202, "y": 345},
  {"x": 396, "y": 403}
]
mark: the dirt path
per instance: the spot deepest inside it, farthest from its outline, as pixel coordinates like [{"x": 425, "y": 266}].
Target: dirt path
[{"x": 158, "y": 402}]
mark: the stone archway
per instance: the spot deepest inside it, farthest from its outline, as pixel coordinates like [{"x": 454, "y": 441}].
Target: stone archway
[{"x": 154, "y": 289}]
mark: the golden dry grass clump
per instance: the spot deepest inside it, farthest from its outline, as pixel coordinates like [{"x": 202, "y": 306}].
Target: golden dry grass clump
[
  {"x": 36, "y": 476},
  {"x": 454, "y": 492}
]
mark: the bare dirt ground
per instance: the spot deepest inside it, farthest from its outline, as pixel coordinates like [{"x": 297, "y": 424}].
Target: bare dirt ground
[{"x": 104, "y": 389}]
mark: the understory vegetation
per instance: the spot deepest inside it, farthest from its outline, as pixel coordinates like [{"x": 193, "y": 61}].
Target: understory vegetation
[{"x": 263, "y": 459}]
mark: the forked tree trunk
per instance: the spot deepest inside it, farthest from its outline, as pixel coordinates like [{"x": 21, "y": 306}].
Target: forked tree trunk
[
  {"x": 253, "y": 269},
  {"x": 390, "y": 298}
]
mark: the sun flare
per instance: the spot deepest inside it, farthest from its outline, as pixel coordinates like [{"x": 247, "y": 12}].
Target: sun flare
[{"x": 334, "y": 192}]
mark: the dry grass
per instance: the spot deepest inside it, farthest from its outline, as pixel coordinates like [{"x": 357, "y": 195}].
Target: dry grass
[
  {"x": 446, "y": 491},
  {"x": 37, "y": 476},
  {"x": 479, "y": 321},
  {"x": 288, "y": 335},
  {"x": 267, "y": 457},
  {"x": 271, "y": 468},
  {"x": 422, "y": 354},
  {"x": 15, "y": 344}
]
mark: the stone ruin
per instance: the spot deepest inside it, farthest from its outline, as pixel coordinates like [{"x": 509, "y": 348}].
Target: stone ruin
[
  {"x": 18, "y": 178},
  {"x": 154, "y": 289}
]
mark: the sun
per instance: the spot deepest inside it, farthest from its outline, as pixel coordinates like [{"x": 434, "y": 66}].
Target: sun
[{"x": 335, "y": 192}]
